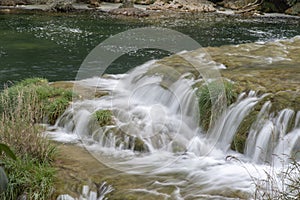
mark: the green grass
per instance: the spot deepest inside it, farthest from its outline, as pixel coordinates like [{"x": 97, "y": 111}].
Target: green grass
[
  {"x": 205, "y": 100},
  {"x": 29, "y": 177},
  {"x": 104, "y": 117},
  {"x": 22, "y": 107},
  {"x": 50, "y": 102}
]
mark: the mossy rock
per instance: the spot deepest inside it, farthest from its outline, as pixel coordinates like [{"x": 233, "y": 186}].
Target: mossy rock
[
  {"x": 239, "y": 140},
  {"x": 56, "y": 108},
  {"x": 135, "y": 143},
  {"x": 104, "y": 118}
]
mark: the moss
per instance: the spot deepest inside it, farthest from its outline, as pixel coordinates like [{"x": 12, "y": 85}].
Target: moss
[{"x": 239, "y": 140}]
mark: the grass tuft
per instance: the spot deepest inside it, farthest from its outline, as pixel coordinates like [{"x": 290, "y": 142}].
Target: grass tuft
[
  {"x": 205, "y": 100},
  {"x": 104, "y": 117},
  {"x": 28, "y": 177},
  {"x": 22, "y": 107},
  {"x": 280, "y": 186}
]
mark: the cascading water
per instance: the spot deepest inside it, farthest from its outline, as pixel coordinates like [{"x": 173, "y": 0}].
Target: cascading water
[
  {"x": 155, "y": 132},
  {"x": 273, "y": 141}
]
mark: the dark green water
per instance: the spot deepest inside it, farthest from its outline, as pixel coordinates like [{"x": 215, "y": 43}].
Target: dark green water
[{"x": 53, "y": 46}]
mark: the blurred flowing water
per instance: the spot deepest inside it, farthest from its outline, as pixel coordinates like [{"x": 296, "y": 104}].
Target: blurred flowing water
[{"x": 156, "y": 132}]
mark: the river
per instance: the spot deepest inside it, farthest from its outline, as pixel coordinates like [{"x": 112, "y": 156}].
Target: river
[
  {"x": 53, "y": 46},
  {"x": 154, "y": 128}
]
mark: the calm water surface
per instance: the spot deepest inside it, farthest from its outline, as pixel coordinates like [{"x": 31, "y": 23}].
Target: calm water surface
[{"x": 53, "y": 46}]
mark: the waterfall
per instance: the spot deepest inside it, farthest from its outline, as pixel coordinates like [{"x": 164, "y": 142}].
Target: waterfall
[
  {"x": 156, "y": 132},
  {"x": 269, "y": 139},
  {"x": 143, "y": 108},
  {"x": 227, "y": 125}
]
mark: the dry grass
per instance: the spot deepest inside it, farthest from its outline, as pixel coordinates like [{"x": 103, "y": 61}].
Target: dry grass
[
  {"x": 22, "y": 108},
  {"x": 284, "y": 185},
  {"x": 18, "y": 127}
]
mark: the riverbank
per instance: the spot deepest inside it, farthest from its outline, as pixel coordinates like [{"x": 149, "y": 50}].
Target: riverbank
[{"x": 140, "y": 10}]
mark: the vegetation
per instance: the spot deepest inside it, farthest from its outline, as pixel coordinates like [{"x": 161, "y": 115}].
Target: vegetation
[
  {"x": 284, "y": 187},
  {"x": 239, "y": 140},
  {"x": 104, "y": 117},
  {"x": 22, "y": 107},
  {"x": 30, "y": 178},
  {"x": 3, "y": 178},
  {"x": 205, "y": 100},
  {"x": 46, "y": 102}
]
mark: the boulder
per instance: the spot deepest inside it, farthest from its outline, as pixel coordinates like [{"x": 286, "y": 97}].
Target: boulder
[
  {"x": 136, "y": 12},
  {"x": 184, "y": 5},
  {"x": 62, "y": 6},
  {"x": 294, "y": 10},
  {"x": 7, "y": 3},
  {"x": 236, "y": 4},
  {"x": 278, "y": 6}
]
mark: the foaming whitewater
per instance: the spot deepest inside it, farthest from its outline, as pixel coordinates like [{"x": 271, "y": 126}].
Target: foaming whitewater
[{"x": 156, "y": 132}]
